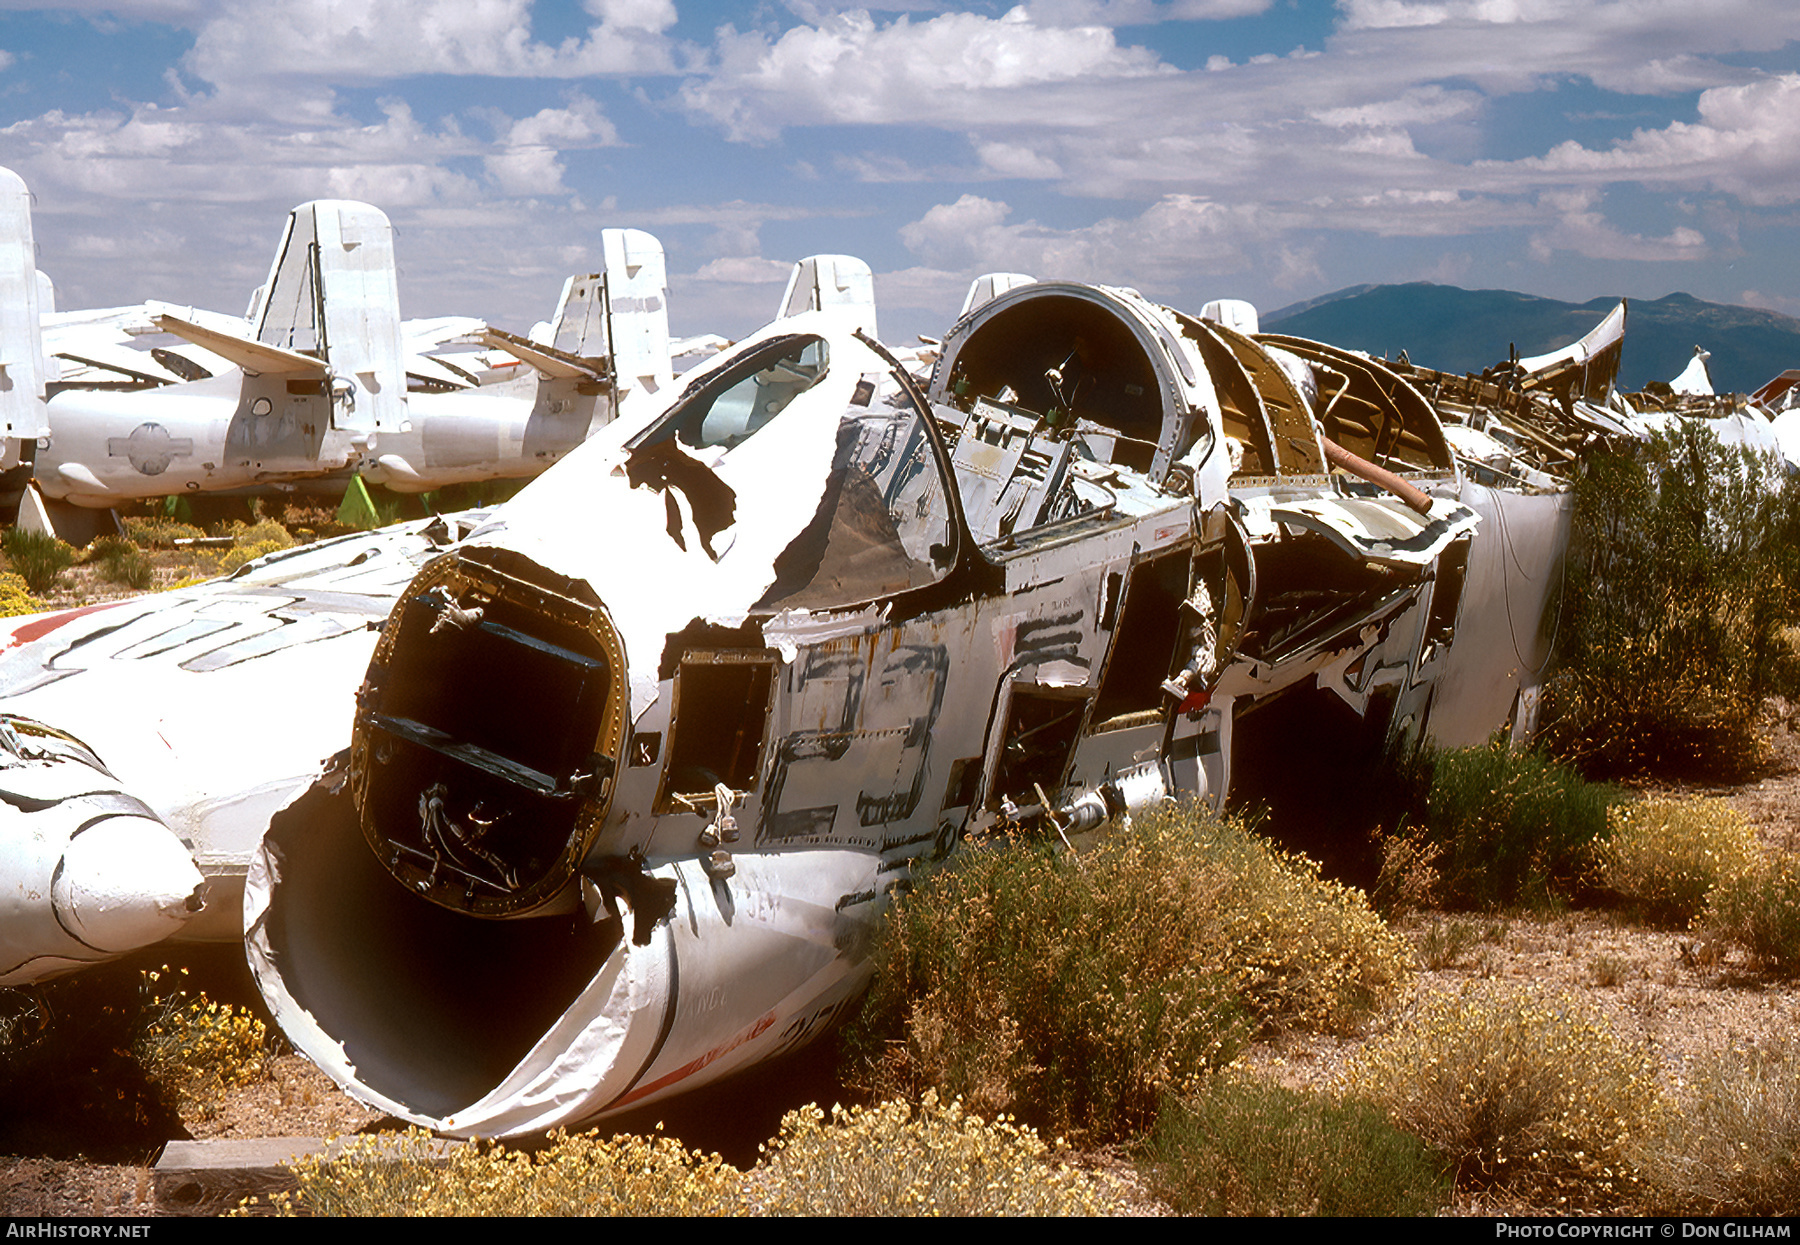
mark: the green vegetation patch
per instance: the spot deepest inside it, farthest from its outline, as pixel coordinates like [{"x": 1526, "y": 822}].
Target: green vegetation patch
[
  {"x": 1683, "y": 574},
  {"x": 1509, "y": 827},
  {"x": 1240, "y": 1146},
  {"x": 37, "y": 557}
]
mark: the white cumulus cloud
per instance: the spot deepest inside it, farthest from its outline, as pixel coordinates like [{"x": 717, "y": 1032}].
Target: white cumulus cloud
[{"x": 852, "y": 68}]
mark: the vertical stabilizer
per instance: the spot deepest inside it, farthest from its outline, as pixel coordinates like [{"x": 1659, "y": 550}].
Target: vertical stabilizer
[
  {"x": 637, "y": 309},
  {"x": 621, "y": 313},
  {"x": 21, "y": 340},
  {"x": 332, "y": 293},
  {"x": 989, "y": 286},
  {"x": 579, "y": 326},
  {"x": 52, "y": 366},
  {"x": 836, "y": 283}
]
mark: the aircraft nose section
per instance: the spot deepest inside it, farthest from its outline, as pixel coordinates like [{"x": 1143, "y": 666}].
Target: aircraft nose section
[{"x": 125, "y": 883}]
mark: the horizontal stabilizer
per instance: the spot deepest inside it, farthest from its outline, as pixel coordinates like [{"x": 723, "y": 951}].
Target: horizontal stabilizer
[
  {"x": 549, "y": 361},
  {"x": 253, "y": 357}
]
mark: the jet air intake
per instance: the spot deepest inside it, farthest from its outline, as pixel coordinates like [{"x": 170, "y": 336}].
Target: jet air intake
[{"x": 487, "y": 733}]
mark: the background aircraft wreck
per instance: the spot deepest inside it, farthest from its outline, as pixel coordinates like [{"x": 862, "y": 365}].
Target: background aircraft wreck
[
  {"x": 323, "y": 380},
  {"x": 23, "y": 361}
]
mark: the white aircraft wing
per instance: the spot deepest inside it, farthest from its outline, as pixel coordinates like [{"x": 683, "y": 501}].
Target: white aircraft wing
[
  {"x": 422, "y": 336},
  {"x": 100, "y": 353},
  {"x": 124, "y": 321},
  {"x": 705, "y": 345}
]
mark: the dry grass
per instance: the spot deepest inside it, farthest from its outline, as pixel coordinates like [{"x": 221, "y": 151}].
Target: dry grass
[
  {"x": 1731, "y": 1143},
  {"x": 1241, "y": 1145},
  {"x": 1756, "y": 906},
  {"x": 1515, "y": 1086},
  {"x": 1665, "y": 855},
  {"x": 935, "y": 1159}
]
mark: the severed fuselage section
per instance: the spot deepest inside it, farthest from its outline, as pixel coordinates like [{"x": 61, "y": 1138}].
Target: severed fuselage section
[{"x": 636, "y": 764}]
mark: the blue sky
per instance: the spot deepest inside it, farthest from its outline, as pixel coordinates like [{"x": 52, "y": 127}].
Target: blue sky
[{"x": 1272, "y": 150}]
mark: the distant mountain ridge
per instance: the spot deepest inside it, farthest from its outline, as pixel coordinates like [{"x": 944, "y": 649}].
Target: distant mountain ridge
[{"x": 1457, "y": 330}]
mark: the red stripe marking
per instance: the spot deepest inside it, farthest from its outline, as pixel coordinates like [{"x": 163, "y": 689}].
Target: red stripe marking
[
  {"x": 42, "y": 627},
  {"x": 712, "y": 1056}
]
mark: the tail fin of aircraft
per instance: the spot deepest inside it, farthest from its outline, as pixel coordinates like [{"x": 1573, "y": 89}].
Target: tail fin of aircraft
[
  {"x": 46, "y": 291},
  {"x": 332, "y": 293},
  {"x": 1233, "y": 313},
  {"x": 1586, "y": 369},
  {"x": 22, "y": 413},
  {"x": 837, "y": 283},
  {"x": 1695, "y": 380},
  {"x": 989, "y": 286},
  {"x": 622, "y": 312}
]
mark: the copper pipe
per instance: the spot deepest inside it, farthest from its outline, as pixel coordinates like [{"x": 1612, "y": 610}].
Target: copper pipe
[{"x": 1362, "y": 468}]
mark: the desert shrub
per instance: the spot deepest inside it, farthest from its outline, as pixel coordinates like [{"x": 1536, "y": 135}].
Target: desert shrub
[
  {"x": 415, "y": 1174},
  {"x": 194, "y": 1050},
  {"x": 1443, "y": 944},
  {"x": 38, "y": 557},
  {"x": 1684, "y": 569},
  {"x": 1240, "y": 1146},
  {"x": 1070, "y": 991},
  {"x": 1512, "y": 827},
  {"x": 121, "y": 562},
  {"x": 1608, "y": 971},
  {"x": 1731, "y": 1143},
  {"x": 249, "y": 542},
  {"x": 1513, "y": 1085},
  {"x": 1664, "y": 855},
  {"x": 241, "y": 554},
  {"x": 307, "y": 518},
  {"x": 1408, "y": 877},
  {"x": 16, "y": 598},
  {"x": 158, "y": 531},
  {"x": 253, "y": 540},
  {"x": 60, "y": 1040},
  {"x": 937, "y": 1160},
  {"x": 1756, "y": 906}
]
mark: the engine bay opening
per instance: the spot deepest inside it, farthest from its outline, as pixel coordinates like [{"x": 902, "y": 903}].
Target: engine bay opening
[
  {"x": 433, "y": 1007},
  {"x": 721, "y": 713}
]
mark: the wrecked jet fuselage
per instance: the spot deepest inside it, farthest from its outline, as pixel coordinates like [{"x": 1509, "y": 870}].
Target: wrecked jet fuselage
[{"x": 636, "y": 765}]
